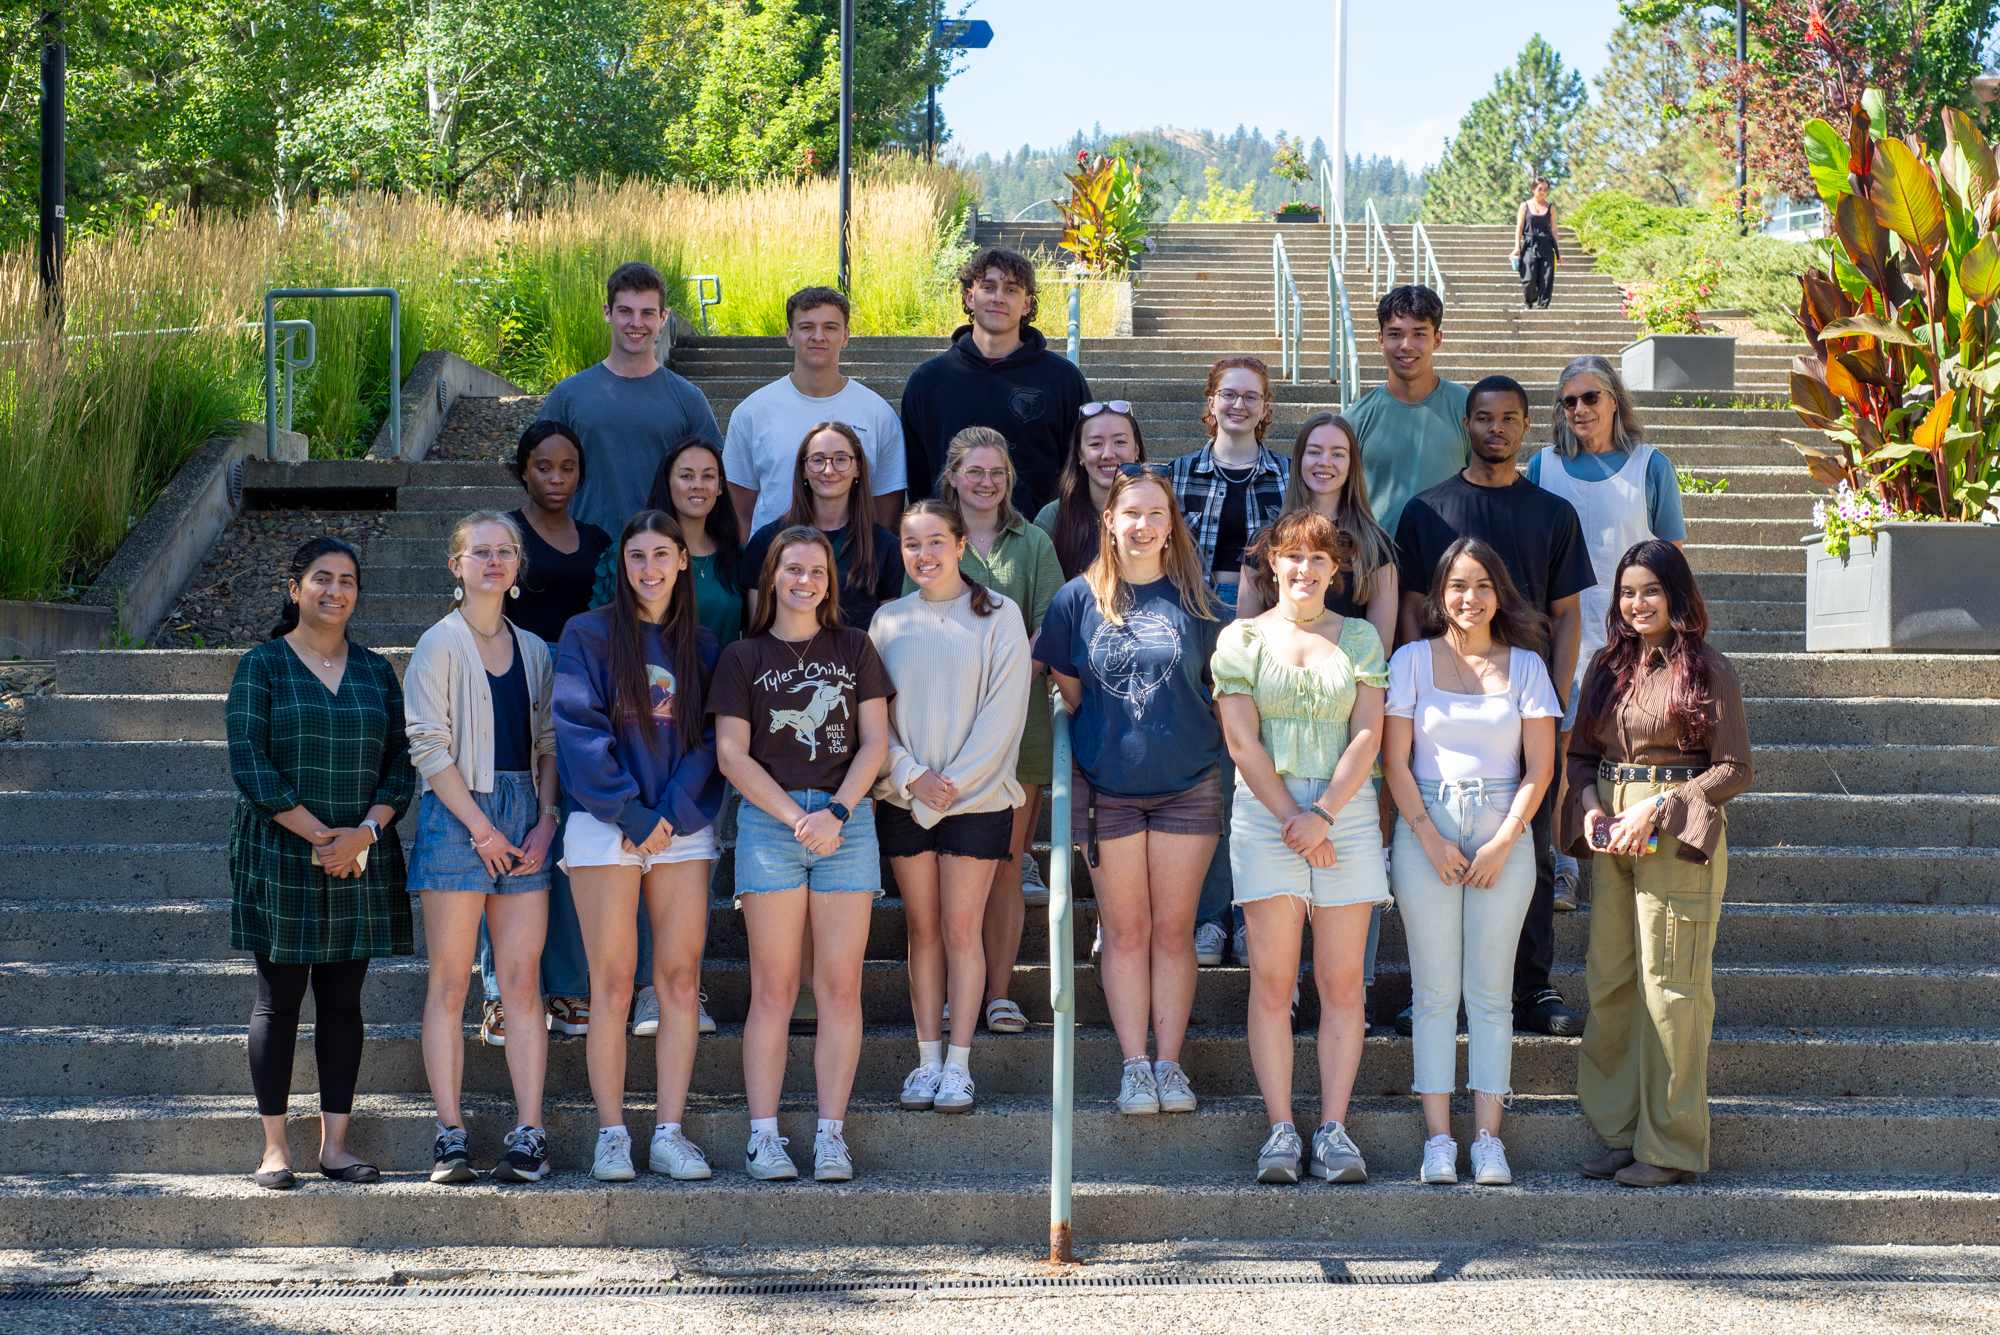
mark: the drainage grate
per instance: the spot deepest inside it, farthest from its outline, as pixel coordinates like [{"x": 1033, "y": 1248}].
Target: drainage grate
[{"x": 779, "y": 1288}]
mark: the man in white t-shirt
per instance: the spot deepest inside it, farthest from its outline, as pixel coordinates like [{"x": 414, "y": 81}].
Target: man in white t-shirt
[{"x": 762, "y": 447}]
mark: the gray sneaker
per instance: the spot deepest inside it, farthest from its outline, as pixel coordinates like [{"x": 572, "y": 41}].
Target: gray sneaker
[
  {"x": 1175, "y": 1093},
  {"x": 1034, "y": 890},
  {"x": 1209, "y": 943},
  {"x": 1335, "y": 1157},
  {"x": 1239, "y": 946},
  {"x": 1278, "y": 1161},
  {"x": 1137, "y": 1093}
]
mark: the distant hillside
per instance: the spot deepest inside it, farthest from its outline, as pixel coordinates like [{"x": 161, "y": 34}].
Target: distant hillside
[{"x": 1011, "y": 183}]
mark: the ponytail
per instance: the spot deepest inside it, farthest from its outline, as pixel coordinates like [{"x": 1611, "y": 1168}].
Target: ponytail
[{"x": 947, "y": 514}]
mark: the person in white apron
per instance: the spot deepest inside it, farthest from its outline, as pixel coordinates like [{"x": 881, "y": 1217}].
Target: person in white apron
[{"x": 1624, "y": 491}]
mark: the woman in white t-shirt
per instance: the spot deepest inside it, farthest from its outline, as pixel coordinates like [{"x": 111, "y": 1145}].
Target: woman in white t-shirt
[{"x": 1468, "y": 747}]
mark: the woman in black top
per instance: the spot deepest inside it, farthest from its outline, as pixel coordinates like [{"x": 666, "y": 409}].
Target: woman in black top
[
  {"x": 831, "y": 492},
  {"x": 562, "y": 551},
  {"x": 1535, "y": 246}
]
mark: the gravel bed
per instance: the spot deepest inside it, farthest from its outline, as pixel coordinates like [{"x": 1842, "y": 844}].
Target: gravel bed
[
  {"x": 18, "y": 681},
  {"x": 233, "y": 599},
  {"x": 485, "y": 429}
]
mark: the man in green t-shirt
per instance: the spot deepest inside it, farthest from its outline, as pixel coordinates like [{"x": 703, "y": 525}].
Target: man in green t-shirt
[{"x": 1411, "y": 428}]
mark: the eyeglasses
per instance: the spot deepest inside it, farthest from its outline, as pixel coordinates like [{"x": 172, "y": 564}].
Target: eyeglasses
[
  {"x": 1229, "y": 398},
  {"x": 1142, "y": 470},
  {"x": 820, "y": 463},
  {"x": 1588, "y": 399},
  {"x": 503, "y": 552},
  {"x": 1119, "y": 406},
  {"x": 983, "y": 474}
]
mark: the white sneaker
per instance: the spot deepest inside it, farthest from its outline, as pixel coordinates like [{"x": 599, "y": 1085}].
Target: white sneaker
[
  {"x": 646, "y": 1012},
  {"x": 765, "y": 1158},
  {"x": 1175, "y": 1093},
  {"x": 704, "y": 1022},
  {"x": 1034, "y": 890},
  {"x": 1097, "y": 946},
  {"x": 1209, "y": 943},
  {"x": 920, "y": 1087},
  {"x": 831, "y": 1161},
  {"x": 954, "y": 1091},
  {"x": 1137, "y": 1094},
  {"x": 678, "y": 1157},
  {"x": 1440, "y": 1161},
  {"x": 1489, "y": 1162},
  {"x": 614, "y": 1158}
]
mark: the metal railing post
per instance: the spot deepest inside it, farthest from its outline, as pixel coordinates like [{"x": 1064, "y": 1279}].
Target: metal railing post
[
  {"x": 1075, "y": 321},
  {"x": 1062, "y": 992},
  {"x": 271, "y": 299}
]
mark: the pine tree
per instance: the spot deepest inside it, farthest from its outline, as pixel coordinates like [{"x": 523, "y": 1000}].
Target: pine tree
[
  {"x": 1524, "y": 128},
  {"x": 1637, "y": 135}
]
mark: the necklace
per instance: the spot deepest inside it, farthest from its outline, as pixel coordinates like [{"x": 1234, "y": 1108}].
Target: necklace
[
  {"x": 942, "y": 608},
  {"x": 324, "y": 661},
  {"x": 798, "y": 653},
  {"x": 1305, "y": 621},
  {"x": 1458, "y": 671},
  {"x": 482, "y": 634}
]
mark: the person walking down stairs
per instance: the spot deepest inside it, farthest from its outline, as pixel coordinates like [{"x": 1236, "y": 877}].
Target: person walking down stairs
[
  {"x": 1535, "y": 248},
  {"x": 321, "y": 763}
]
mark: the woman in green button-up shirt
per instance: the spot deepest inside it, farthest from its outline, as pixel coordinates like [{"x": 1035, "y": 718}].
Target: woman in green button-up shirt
[{"x": 1009, "y": 555}]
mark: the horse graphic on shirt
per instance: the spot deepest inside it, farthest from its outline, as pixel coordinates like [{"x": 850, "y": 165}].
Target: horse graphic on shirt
[{"x": 804, "y": 723}]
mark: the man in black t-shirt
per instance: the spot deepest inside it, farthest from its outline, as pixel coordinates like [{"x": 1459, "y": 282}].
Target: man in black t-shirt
[{"x": 1539, "y": 537}]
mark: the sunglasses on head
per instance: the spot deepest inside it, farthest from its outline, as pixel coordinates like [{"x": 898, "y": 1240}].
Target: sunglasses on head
[
  {"x": 1119, "y": 406},
  {"x": 1588, "y": 399},
  {"x": 1142, "y": 470}
]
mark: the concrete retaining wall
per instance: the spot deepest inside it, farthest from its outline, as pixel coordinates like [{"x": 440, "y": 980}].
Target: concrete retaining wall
[
  {"x": 438, "y": 380},
  {"x": 43, "y": 630}
]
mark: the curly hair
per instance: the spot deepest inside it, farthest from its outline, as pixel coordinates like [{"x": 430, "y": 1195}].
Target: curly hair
[{"x": 1215, "y": 374}]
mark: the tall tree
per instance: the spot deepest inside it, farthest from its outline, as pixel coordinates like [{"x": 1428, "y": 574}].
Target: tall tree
[
  {"x": 1640, "y": 134},
  {"x": 1524, "y": 128}
]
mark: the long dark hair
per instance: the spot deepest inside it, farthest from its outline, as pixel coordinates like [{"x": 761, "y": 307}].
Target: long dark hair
[
  {"x": 302, "y": 560},
  {"x": 631, "y": 691},
  {"x": 1624, "y": 652},
  {"x": 721, "y": 524},
  {"x": 1515, "y": 624},
  {"x": 860, "y": 504},
  {"x": 536, "y": 433},
  {"x": 767, "y": 579},
  {"x": 1077, "y": 521},
  {"x": 947, "y": 514}
]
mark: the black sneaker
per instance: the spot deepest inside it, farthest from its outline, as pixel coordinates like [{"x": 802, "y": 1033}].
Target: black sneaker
[
  {"x": 1546, "y": 1013},
  {"x": 527, "y": 1157},
  {"x": 1403, "y": 1023},
  {"x": 452, "y": 1161}
]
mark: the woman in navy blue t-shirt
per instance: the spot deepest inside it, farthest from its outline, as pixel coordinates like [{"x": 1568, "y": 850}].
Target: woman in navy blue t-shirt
[{"x": 1128, "y": 643}]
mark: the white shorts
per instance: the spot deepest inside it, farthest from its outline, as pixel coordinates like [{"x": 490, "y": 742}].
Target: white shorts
[{"x": 589, "y": 842}]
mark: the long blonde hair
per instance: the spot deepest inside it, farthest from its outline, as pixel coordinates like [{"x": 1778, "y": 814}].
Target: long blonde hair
[
  {"x": 1373, "y": 549},
  {"x": 1182, "y": 566},
  {"x": 964, "y": 443}
]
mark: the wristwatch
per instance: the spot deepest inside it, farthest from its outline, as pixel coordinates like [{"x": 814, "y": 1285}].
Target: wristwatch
[
  {"x": 373, "y": 829},
  {"x": 839, "y": 810}
]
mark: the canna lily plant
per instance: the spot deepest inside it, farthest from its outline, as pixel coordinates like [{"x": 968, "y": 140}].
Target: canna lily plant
[
  {"x": 1901, "y": 316},
  {"x": 1104, "y": 221}
]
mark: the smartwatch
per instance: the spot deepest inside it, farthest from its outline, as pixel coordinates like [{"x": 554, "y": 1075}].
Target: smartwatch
[
  {"x": 839, "y": 810},
  {"x": 373, "y": 829}
]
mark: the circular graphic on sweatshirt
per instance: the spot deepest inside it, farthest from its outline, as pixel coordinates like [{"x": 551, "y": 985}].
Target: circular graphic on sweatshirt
[
  {"x": 662, "y": 682},
  {"x": 1136, "y": 659}
]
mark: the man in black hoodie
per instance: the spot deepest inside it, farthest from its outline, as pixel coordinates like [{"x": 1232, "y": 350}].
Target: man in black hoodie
[{"x": 998, "y": 373}]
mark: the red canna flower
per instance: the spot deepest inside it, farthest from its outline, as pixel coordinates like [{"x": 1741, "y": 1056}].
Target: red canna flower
[{"x": 1816, "y": 26}]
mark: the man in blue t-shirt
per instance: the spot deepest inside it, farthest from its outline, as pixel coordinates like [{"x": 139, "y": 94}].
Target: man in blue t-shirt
[{"x": 627, "y": 411}]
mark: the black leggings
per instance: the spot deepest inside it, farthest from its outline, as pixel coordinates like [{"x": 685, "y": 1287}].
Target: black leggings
[{"x": 274, "y": 1031}]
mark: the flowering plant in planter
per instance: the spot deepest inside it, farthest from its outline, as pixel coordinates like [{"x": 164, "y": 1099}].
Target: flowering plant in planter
[
  {"x": 1289, "y": 164},
  {"x": 1901, "y": 313},
  {"x": 1850, "y": 514}
]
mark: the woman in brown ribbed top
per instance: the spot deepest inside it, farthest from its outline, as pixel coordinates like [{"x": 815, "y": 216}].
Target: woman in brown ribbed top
[{"x": 1661, "y": 745}]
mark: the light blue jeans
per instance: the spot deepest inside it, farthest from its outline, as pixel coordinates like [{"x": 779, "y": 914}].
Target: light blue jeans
[{"x": 1462, "y": 940}]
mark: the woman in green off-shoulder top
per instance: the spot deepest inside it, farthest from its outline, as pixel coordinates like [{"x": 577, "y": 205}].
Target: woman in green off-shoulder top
[{"x": 1300, "y": 693}]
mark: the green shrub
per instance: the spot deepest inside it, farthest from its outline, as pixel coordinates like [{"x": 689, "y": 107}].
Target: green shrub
[{"x": 1637, "y": 242}]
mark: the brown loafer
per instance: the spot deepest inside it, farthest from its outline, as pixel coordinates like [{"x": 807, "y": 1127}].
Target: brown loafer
[
  {"x": 1636, "y": 1174},
  {"x": 1606, "y": 1165}
]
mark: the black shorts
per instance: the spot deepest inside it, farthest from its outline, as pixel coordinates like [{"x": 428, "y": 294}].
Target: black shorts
[{"x": 985, "y": 835}]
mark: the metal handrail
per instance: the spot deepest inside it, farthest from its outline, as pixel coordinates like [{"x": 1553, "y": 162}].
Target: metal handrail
[
  {"x": 1424, "y": 260},
  {"x": 1075, "y": 320},
  {"x": 1288, "y": 316},
  {"x": 1343, "y": 356},
  {"x": 271, "y": 299},
  {"x": 1379, "y": 253},
  {"x": 1062, "y": 991}
]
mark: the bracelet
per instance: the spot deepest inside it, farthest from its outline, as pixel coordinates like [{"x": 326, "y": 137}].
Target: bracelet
[
  {"x": 489, "y": 839},
  {"x": 1420, "y": 819},
  {"x": 1321, "y": 812},
  {"x": 552, "y": 810},
  {"x": 1517, "y": 820}
]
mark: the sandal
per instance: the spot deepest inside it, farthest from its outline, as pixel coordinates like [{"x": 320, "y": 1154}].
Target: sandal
[
  {"x": 1004, "y": 1017},
  {"x": 359, "y": 1173}
]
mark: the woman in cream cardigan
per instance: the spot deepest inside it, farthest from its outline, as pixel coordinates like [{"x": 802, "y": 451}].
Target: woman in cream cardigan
[
  {"x": 957, "y": 654},
  {"x": 482, "y": 738}
]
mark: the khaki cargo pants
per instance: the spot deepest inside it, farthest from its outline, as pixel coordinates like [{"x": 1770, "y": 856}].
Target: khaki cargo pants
[{"x": 1643, "y": 1075}]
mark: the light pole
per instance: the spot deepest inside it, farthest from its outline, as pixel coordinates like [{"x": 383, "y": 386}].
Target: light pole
[
  {"x": 1339, "y": 112},
  {"x": 49, "y": 251},
  {"x": 846, "y": 275}
]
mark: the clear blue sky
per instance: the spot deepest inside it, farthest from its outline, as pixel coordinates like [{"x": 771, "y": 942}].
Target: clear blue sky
[{"x": 1414, "y": 66}]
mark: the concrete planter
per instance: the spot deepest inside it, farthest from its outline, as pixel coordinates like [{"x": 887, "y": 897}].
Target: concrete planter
[
  {"x": 1679, "y": 361},
  {"x": 1912, "y": 588},
  {"x": 1278, "y": 215}
]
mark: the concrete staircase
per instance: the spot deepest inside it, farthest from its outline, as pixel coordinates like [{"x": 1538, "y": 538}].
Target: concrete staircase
[{"x": 1853, "y": 1071}]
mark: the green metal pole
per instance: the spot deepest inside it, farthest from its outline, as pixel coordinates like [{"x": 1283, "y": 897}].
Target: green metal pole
[{"x": 1062, "y": 993}]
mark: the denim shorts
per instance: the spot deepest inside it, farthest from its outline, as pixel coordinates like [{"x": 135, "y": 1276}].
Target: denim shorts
[
  {"x": 987, "y": 836},
  {"x": 770, "y": 858},
  {"x": 444, "y": 859},
  {"x": 1263, "y": 868},
  {"x": 589, "y": 842}
]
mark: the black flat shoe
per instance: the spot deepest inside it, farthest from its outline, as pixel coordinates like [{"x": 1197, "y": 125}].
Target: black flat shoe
[
  {"x": 1545, "y": 1013},
  {"x": 278, "y": 1179},
  {"x": 358, "y": 1173}
]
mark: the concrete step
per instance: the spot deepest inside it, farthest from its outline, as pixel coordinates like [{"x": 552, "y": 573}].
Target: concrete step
[
  {"x": 125, "y": 718},
  {"x": 1850, "y": 721},
  {"x": 166, "y": 767},
  {"x": 1832, "y": 874},
  {"x": 1758, "y": 641},
  {"x": 1787, "y": 768},
  {"x": 987, "y": 1209},
  {"x": 215, "y": 992},
  {"x": 1704, "y": 557},
  {"x": 1796, "y": 507},
  {"x": 1753, "y": 616},
  {"x": 460, "y": 500},
  {"x": 192, "y": 1134},
  {"x": 147, "y": 873},
  {"x": 37, "y": 818}
]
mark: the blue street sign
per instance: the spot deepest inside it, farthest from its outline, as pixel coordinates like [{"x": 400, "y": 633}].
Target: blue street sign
[{"x": 975, "y": 33}]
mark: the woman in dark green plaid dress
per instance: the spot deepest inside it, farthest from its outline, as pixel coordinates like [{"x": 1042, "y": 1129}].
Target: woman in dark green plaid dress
[{"x": 320, "y": 758}]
